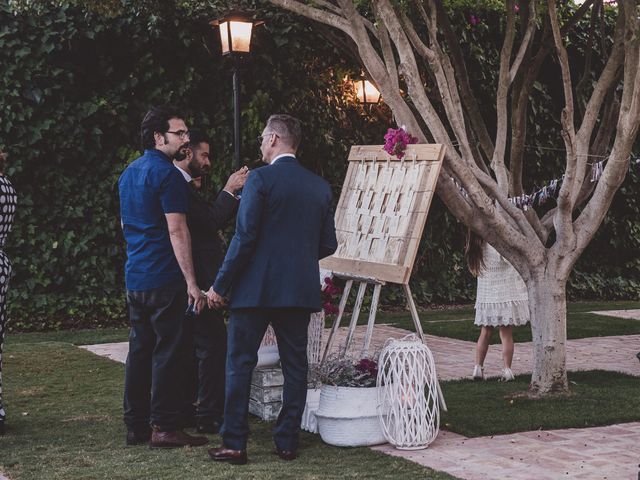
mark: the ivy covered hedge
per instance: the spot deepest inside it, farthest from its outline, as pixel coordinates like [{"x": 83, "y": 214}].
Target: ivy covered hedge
[{"x": 76, "y": 83}]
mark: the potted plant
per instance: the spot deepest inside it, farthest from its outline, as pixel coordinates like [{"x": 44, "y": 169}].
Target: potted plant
[{"x": 347, "y": 414}]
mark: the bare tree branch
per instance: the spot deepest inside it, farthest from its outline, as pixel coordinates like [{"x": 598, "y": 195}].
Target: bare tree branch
[
  {"x": 322, "y": 16},
  {"x": 387, "y": 51},
  {"x": 626, "y": 132},
  {"x": 502, "y": 97},
  {"x": 606, "y": 82},
  {"x": 562, "y": 221},
  {"x": 469, "y": 101},
  {"x": 526, "y": 41}
]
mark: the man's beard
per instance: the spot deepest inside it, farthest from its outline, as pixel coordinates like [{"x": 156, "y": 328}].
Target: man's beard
[
  {"x": 181, "y": 154},
  {"x": 195, "y": 169}
]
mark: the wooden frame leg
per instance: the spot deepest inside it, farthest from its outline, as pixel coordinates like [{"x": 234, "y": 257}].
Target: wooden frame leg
[
  {"x": 418, "y": 325},
  {"x": 336, "y": 322},
  {"x": 414, "y": 312},
  {"x": 372, "y": 318},
  {"x": 354, "y": 317}
]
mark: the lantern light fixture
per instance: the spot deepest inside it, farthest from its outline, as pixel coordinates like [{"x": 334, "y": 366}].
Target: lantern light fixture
[
  {"x": 235, "y": 32},
  {"x": 366, "y": 92}
]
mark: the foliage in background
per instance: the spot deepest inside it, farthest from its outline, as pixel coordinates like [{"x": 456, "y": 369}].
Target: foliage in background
[{"x": 78, "y": 78}]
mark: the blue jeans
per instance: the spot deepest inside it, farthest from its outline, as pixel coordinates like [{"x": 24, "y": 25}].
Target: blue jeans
[
  {"x": 156, "y": 358},
  {"x": 246, "y": 329}
]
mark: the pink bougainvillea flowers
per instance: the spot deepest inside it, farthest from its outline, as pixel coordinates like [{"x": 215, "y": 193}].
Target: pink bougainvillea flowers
[{"x": 396, "y": 141}]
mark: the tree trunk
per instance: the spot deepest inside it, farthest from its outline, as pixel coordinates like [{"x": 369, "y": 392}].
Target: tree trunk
[{"x": 548, "y": 307}]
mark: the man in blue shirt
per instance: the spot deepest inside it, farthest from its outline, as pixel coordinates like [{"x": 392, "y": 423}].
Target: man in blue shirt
[{"x": 154, "y": 200}]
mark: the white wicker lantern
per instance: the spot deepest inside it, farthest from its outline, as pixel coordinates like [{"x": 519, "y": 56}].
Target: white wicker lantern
[{"x": 408, "y": 394}]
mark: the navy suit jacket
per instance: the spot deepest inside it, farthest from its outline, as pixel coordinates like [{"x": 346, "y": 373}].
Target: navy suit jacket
[
  {"x": 284, "y": 226},
  {"x": 206, "y": 220}
]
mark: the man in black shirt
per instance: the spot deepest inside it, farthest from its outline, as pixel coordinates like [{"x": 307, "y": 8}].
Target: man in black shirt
[{"x": 207, "y": 330}]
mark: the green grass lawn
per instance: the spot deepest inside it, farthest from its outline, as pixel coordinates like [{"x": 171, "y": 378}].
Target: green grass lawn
[
  {"x": 490, "y": 407},
  {"x": 453, "y": 323},
  {"x": 65, "y": 422},
  {"x": 458, "y": 323},
  {"x": 75, "y": 337}
]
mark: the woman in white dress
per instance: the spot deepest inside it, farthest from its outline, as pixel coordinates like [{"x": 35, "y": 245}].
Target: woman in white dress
[{"x": 501, "y": 301}]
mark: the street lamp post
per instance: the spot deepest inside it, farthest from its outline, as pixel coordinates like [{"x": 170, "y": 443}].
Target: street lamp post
[{"x": 235, "y": 39}]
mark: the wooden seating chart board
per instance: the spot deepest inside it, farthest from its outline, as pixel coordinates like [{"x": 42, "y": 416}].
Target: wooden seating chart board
[
  {"x": 382, "y": 211},
  {"x": 379, "y": 220}
]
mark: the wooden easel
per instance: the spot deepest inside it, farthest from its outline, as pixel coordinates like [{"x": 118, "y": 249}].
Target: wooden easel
[{"x": 377, "y": 286}]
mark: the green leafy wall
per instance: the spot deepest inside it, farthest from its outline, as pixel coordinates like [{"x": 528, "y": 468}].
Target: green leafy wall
[{"x": 76, "y": 83}]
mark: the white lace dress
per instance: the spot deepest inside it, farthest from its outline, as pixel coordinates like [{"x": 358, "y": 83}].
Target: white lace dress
[{"x": 502, "y": 295}]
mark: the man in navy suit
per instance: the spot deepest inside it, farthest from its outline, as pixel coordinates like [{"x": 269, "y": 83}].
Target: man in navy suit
[
  {"x": 206, "y": 333},
  {"x": 270, "y": 275}
]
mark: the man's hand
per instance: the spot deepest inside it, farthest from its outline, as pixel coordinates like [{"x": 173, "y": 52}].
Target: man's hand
[
  {"x": 214, "y": 300},
  {"x": 236, "y": 180},
  {"x": 196, "y": 297}
]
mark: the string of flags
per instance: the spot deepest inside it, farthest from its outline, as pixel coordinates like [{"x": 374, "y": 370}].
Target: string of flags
[{"x": 551, "y": 190}]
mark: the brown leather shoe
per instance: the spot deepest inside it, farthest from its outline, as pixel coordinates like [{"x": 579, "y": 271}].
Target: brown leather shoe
[
  {"x": 138, "y": 437},
  {"x": 175, "y": 439},
  {"x": 224, "y": 454},
  {"x": 286, "y": 454}
]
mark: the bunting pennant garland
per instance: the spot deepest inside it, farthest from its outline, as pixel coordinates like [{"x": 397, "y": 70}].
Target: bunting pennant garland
[{"x": 552, "y": 189}]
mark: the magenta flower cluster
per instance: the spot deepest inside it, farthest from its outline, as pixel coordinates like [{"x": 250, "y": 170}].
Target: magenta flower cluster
[
  {"x": 368, "y": 367},
  {"x": 396, "y": 141},
  {"x": 329, "y": 290}
]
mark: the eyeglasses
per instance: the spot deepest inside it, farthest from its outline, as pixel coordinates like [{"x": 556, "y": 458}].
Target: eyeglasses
[
  {"x": 180, "y": 133},
  {"x": 261, "y": 137}
]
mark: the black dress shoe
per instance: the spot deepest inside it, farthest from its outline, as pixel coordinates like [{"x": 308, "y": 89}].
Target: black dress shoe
[
  {"x": 138, "y": 437},
  {"x": 208, "y": 427},
  {"x": 224, "y": 454},
  {"x": 175, "y": 439},
  {"x": 286, "y": 454}
]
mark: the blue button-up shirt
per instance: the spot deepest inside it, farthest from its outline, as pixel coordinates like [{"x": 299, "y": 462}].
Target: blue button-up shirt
[{"x": 150, "y": 187}]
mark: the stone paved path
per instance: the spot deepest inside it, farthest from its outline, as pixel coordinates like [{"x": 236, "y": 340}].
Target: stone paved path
[
  {"x": 632, "y": 314},
  {"x": 455, "y": 358},
  {"x": 611, "y": 452}
]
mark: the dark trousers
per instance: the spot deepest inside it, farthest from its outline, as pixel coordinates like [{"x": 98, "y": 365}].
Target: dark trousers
[
  {"x": 156, "y": 354},
  {"x": 246, "y": 329},
  {"x": 207, "y": 336}
]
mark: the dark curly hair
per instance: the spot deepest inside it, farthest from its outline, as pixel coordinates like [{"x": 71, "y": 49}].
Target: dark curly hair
[{"x": 157, "y": 120}]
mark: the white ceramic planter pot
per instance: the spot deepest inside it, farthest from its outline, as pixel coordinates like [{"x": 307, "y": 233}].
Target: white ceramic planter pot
[
  {"x": 309, "y": 420},
  {"x": 348, "y": 416},
  {"x": 268, "y": 356}
]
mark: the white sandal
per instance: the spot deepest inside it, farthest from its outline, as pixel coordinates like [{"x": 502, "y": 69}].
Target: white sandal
[
  {"x": 507, "y": 375},
  {"x": 478, "y": 373}
]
